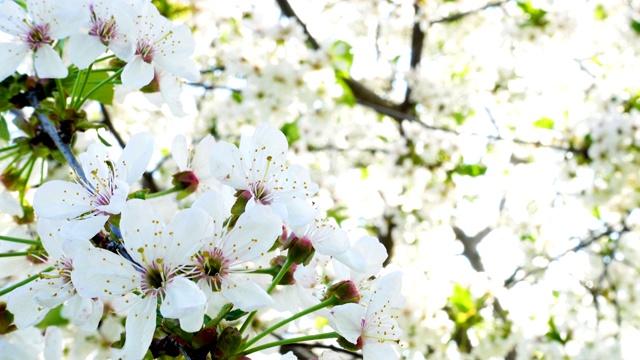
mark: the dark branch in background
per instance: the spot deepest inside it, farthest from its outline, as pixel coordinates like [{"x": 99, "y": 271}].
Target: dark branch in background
[
  {"x": 459, "y": 16},
  {"x": 399, "y": 115},
  {"x": 417, "y": 42},
  {"x": 147, "y": 177},
  {"x": 214, "y": 87},
  {"x": 469, "y": 243},
  {"x": 287, "y": 10}
]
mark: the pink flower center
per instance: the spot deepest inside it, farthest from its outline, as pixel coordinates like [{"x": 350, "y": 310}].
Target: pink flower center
[
  {"x": 145, "y": 50},
  {"x": 105, "y": 30},
  {"x": 38, "y": 36},
  {"x": 212, "y": 266}
]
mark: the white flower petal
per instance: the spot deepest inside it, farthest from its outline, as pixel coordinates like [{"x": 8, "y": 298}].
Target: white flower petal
[
  {"x": 171, "y": 90},
  {"x": 245, "y": 294},
  {"x": 84, "y": 229},
  {"x": 84, "y": 49},
  {"x": 52, "y": 343},
  {"x": 346, "y": 320},
  {"x": 374, "y": 350},
  {"x": 55, "y": 293},
  {"x": 227, "y": 165},
  {"x": 185, "y": 235},
  {"x": 48, "y": 63},
  {"x": 83, "y": 312},
  {"x": 139, "y": 327},
  {"x": 192, "y": 322},
  {"x": 59, "y": 199},
  {"x": 299, "y": 212},
  {"x": 137, "y": 73},
  {"x": 13, "y": 19},
  {"x": 11, "y": 55},
  {"x": 253, "y": 235},
  {"x": 180, "y": 152},
  {"x": 20, "y": 303},
  {"x": 135, "y": 157},
  {"x": 269, "y": 142},
  {"x": 99, "y": 273},
  {"x": 141, "y": 225},
  {"x": 51, "y": 237},
  {"x": 182, "y": 298}
]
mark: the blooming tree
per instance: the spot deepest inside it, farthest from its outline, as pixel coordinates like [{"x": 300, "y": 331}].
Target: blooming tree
[{"x": 393, "y": 179}]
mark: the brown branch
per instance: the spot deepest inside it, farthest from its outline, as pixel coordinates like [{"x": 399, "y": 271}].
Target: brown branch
[
  {"x": 417, "y": 43},
  {"x": 459, "y": 16}
]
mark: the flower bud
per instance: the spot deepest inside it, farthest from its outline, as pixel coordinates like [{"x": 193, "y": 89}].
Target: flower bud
[
  {"x": 205, "y": 337},
  {"x": 6, "y": 320},
  {"x": 301, "y": 250},
  {"x": 186, "y": 181},
  {"x": 345, "y": 291},
  {"x": 277, "y": 263},
  {"x": 349, "y": 346},
  {"x": 230, "y": 341}
]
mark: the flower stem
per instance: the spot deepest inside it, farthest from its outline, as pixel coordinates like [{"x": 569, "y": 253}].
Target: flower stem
[
  {"x": 276, "y": 280},
  {"x": 330, "y": 335},
  {"x": 281, "y": 273},
  {"x": 21, "y": 253},
  {"x": 221, "y": 314},
  {"x": 162, "y": 193},
  {"x": 21, "y": 241},
  {"x": 329, "y": 302},
  {"x": 95, "y": 88},
  {"x": 23, "y": 282},
  {"x": 77, "y": 104}
]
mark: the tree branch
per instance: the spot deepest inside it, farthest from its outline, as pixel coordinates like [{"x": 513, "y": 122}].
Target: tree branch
[{"x": 459, "y": 16}]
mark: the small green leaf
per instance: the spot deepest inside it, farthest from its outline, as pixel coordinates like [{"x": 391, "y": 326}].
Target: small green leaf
[
  {"x": 635, "y": 25},
  {"x": 347, "y": 97},
  {"x": 544, "y": 123},
  {"x": 4, "y": 129},
  {"x": 291, "y": 132},
  {"x": 103, "y": 95},
  {"x": 237, "y": 97},
  {"x": 472, "y": 170},
  {"x": 341, "y": 57},
  {"x": 535, "y": 16},
  {"x": 600, "y": 13},
  {"x": 102, "y": 140}
]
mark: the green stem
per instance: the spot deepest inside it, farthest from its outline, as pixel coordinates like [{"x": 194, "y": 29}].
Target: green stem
[
  {"x": 274, "y": 283},
  {"x": 78, "y": 102},
  {"x": 283, "y": 271},
  {"x": 75, "y": 86},
  {"x": 331, "y": 335},
  {"x": 21, "y": 253},
  {"x": 7, "y": 148},
  {"x": 329, "y": 302},
  {"x": 61, "y": 91},
  {"x": 162, "y": 193},
  {"x": 221, "y": 314},
  {"x": 20, "y": 241},
  {"x": 95, "y": 88},
  {"x": 104, "y": 58},
  {"x": 23, "y": 282}
]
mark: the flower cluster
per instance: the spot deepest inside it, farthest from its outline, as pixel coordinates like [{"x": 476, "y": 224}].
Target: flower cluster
[
  {"x": 107, "y": 250},
  {"x": 153, "y": 52}
]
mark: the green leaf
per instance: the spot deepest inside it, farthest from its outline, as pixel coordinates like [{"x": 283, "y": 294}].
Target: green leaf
[
  {"x": 4, "y": 129},
  {"x": 237, "y": 97},
  {"x": 291, "y": 132},
  {"x": 535, "y": 16},
  {"x": 347, "y": 97},
  {"x": 635, "y": 25},
  {"x": 339, "y": 213},
  {"x": 544, "y": 123},
  {"x": 600, "y": 13},
  {"x": 472, "y": 170},
  {"x": 341, "y": 58},
  {"x": 103, "y": 95},
  {"x": 102, "y": 140}
]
